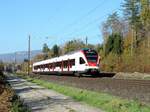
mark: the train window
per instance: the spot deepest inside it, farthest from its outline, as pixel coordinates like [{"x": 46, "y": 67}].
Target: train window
[
  {"x": 90, "y": 52},
  {"x": 92, "y": 59},
  {"x": 41, "y": 67},
  {"x": 58, "y": 64},
  {"x": 35, "y": 67},
  {"x": 46, "y": 65},
  {"x": 91, "y": 55},
  {"x": 54, "y": 65},
  {"x": 82, "y": 60},
  {"x": 65, "y": 64},
  {"x": 72, "y": 62},
  {"x": 50, "y": 66}
]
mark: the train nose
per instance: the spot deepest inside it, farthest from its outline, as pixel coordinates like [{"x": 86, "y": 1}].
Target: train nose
[{"x": 92, "y": 64}]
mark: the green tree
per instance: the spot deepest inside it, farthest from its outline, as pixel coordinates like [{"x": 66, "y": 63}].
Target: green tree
[
  {"x": 109, "y": 45},
  {"x": 1, "y": 66},
  {"x": 45, "y": 48},
  {"x": 55, "y": 50},
  {"x": 131, "y": 9},
  {"x": 114, "y": 44},
  {"x": 117, "y": 45}
]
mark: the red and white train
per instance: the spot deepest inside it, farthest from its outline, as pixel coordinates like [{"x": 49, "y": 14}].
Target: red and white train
[{"x": 84, "y": 61}]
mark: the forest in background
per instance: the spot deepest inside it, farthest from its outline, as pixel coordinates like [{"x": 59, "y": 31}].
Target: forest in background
[{"x": 126, "y": 40}]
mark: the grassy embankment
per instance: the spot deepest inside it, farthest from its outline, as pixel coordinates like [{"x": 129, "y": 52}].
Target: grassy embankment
[
  {"x": 103, "y": 101},
  {"x": 9, "y": 101},
  {"x": 17, "y": 105}
]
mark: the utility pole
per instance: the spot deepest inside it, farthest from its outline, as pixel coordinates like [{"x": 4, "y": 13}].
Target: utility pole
[
  {"x": 15, "y": 61},
  {"x": 86, "y": 40},
  {"x": 15, "y": 58},
  {"x": 29, "y": 55}
]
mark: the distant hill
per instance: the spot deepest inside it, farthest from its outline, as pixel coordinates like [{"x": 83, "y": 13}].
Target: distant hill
[{"x": 19, "y": 56}]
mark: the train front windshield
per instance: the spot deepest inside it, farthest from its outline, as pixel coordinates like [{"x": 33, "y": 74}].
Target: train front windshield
[{"x": 91, "y": 56}]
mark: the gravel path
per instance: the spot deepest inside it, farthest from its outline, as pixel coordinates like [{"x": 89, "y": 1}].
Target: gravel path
[{"x": 40, "y": 99}]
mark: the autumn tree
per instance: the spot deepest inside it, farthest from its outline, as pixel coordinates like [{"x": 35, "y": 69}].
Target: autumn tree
[
  {"x": 45, "y": 50},
  {"x": 73, "y": 45},
  {"x": 112, "y": 29},
  {"x": 145, "y": 18}
]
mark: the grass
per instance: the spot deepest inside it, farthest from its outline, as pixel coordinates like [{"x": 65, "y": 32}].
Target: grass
[
  {"x": 17, "y": 105},
  {"x": 103, "y": 101},
  {"x": 147, "y": 77}
]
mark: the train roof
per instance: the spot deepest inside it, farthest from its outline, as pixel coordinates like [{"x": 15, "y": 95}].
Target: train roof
[{"x": 83, "y": 49}]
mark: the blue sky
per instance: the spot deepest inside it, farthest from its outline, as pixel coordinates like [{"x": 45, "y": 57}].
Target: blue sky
[{"x": 59, "y": 20}]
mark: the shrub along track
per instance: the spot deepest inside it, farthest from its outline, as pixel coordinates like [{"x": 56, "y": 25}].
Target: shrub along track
[
  {"x": 5, "y": 95},
  {"x": 130, "y": 89},
  {"x": 9, "y": 101}
]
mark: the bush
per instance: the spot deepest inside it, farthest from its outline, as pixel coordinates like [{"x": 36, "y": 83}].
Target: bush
[{"x": 138, "y": 62}]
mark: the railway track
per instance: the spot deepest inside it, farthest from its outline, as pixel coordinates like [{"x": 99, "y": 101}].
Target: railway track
[
  {"x": 131, "y": 82},
  {"x": 130, "y": 89},
  {"x": 136, "y": 82}
]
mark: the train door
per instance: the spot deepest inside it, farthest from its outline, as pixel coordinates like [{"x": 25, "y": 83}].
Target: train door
[
  {"x": 72, "y": 64},
  {"x": 76, "y": 64},
  {"x": 62, "y": 65},
  {"x": 68, "y": 65},
  {"x": 82, "y": 64}
]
